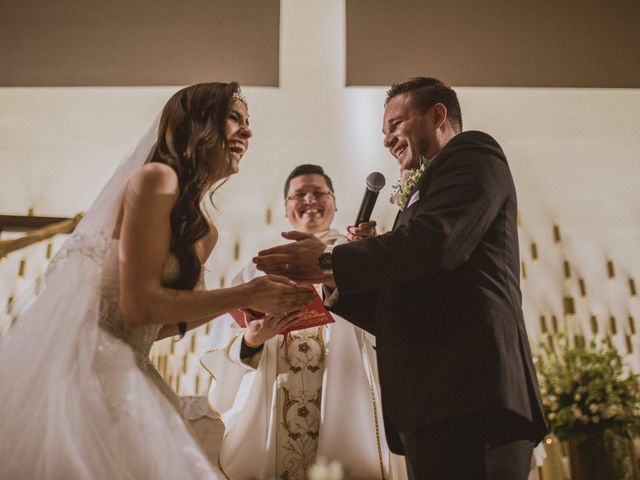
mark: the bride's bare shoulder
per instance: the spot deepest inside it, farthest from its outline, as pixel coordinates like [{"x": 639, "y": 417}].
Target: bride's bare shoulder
[{"x": 153, "y": 178}]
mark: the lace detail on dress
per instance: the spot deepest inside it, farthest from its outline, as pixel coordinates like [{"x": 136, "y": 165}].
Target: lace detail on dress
[
  {"x": 111, "y": 317},
  {"x": 93, "y": 245},
  {"x": 112, "y": 321},
  {"x": 139, "y": 338}
]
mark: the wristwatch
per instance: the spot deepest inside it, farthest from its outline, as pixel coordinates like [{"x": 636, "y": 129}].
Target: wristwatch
[{"x": 324, "y": 262}]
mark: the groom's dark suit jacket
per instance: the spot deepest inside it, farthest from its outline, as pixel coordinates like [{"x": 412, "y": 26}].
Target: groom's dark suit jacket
[{"x": 441, "y": 293}]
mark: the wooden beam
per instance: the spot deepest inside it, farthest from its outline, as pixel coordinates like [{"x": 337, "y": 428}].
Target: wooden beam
[{"x": 23, "y": 223}]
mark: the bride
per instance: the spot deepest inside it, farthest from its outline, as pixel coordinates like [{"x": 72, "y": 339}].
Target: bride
[{"x": 79, "y": 397}]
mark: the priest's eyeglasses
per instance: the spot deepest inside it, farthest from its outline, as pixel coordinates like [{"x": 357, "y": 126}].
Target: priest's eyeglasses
[{"x": 315, "y": 195}]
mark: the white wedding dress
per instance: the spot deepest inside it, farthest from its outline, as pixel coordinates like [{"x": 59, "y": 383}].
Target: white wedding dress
[{"x": 79, "y": 398}]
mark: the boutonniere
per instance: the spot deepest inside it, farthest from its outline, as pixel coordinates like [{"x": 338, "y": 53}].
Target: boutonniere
[{"x": 403, "y": 187}]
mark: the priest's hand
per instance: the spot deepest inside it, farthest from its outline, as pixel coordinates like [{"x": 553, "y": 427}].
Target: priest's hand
[
  {"x": 262, "y": 329},
  {"x": 297, "y": 261}
]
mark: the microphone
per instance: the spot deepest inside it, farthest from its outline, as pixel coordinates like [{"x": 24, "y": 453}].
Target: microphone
[{"x": 375, "y": 182}]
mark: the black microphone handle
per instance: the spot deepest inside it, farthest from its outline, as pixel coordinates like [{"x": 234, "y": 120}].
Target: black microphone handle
[{"x": 366, "y": 207}]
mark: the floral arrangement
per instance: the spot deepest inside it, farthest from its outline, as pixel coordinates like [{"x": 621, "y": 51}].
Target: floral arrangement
[
  {"x": 403, "y": 187},
  {"x": 587, "y": 391}
]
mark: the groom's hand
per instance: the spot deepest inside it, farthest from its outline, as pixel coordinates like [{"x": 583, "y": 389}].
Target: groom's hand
[
  {"x": 364, "y": 230},
  {"x": 297, "y": 261}
]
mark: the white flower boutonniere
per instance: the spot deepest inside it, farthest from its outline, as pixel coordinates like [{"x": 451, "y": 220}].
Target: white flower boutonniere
[{"x": 402, "y": 188}]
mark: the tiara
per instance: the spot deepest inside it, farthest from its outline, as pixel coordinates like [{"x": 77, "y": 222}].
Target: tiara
[{"x": 237, "y": 95}]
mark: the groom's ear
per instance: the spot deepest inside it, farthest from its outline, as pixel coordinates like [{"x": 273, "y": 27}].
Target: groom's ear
[{"x": 439, "y": 114}]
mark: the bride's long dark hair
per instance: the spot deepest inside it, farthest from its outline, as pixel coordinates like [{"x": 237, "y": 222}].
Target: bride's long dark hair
[{"x": 192, "y": 141}]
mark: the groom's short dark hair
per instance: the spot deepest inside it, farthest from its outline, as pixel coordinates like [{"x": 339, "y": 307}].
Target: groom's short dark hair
[
  {"x": 306, "y": 169},
  {"x": 426, "y": 92}
]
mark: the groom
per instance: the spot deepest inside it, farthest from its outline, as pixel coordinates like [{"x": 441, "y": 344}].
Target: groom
[{"x": 441, "y": 293}]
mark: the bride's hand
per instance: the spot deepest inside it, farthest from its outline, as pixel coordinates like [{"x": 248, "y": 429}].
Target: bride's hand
[
  {"x": 276, "y": 295},
  {"x": 260, "y": 330}
]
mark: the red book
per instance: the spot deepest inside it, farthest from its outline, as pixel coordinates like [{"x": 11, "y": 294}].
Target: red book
[
  {"x": 239, "y": 317},
  {"x": 312, "y": 315}
]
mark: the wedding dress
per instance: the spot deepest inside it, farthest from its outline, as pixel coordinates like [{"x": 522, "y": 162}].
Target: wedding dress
[{"x": 79, "y": 397}]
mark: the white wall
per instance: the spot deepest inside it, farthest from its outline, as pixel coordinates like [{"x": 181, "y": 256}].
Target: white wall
[{"x": 574, "y": 156}]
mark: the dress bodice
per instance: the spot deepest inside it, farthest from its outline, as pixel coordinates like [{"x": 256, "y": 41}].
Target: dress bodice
[{"x": 111, "y": 317}]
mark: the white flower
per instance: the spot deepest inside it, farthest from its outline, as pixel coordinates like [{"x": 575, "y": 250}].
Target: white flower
[{"x": 403, "y": 187}]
